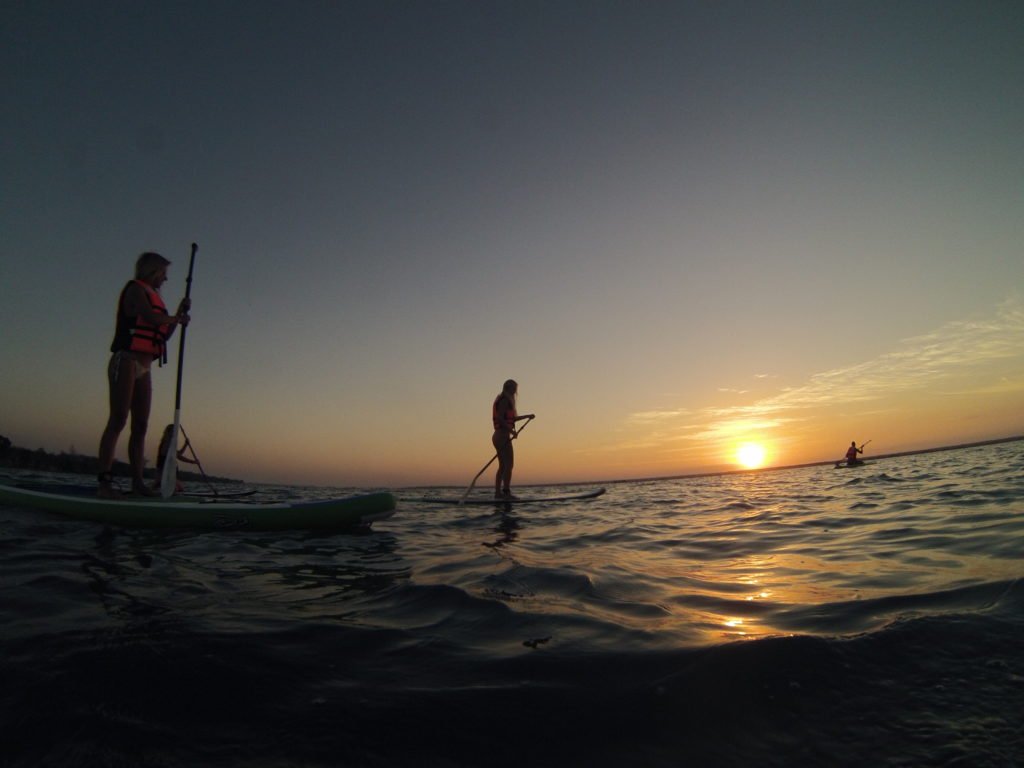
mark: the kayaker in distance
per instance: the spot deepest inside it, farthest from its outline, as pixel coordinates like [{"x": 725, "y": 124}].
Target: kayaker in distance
[
  {"x": 142, "y": 329},
  {"x": 504, "y": 417},
  {"x": 851, "y": 454},
  {"x": 161, "y": 458}
]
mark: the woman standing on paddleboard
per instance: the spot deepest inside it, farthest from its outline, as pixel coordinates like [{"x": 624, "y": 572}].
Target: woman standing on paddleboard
[
  {"x": 504, "y": 417},
  {"x": 142, "y": 329}
]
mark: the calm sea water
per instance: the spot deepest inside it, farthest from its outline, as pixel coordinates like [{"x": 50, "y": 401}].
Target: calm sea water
[{"x": 863, "y": 617}]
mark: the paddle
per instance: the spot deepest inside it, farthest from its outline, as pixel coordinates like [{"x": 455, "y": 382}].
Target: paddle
[
  {"x": 470, "y": 489},
  {"x": 169, "y": 480}
]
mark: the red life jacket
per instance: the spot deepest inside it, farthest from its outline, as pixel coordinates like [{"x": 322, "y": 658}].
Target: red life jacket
[
  {"x": 138, "y": 335},
  {"x": 503, "y": 419}
]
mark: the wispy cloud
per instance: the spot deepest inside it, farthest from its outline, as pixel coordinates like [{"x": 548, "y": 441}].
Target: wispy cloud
[
  {"x": 920, "y": 362},
  {"x": 650, "y": 417}
]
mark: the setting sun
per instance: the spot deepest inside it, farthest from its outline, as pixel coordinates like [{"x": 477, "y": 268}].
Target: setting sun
[{"x": 750, "y": 455}]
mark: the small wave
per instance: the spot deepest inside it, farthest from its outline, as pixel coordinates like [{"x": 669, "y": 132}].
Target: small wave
[{"x": 862, "y": 615}]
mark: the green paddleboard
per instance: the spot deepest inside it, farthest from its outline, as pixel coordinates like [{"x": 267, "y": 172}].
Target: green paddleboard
[{"x": 183, "y": 512}]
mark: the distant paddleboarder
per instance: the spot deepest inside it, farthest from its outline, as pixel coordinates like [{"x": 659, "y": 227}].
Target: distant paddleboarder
[
  {"x": 504, "y": 418},
  {"x": 142, "y": 329},
  {"x": 851, "y": 453}
]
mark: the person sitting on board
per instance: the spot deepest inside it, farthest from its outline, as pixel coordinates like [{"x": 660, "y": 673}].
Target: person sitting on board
[
  {"x": 161, "y": 458},
  {"x": 504, "y": 417},
  {"x": 142, "y": 329},
  {"x": 851, "y": 454}
]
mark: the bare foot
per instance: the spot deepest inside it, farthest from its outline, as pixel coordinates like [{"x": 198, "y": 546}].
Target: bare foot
[{"x": 107, "y": 491}]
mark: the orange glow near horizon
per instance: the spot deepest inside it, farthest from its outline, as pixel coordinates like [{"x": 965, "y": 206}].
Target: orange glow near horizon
[{"x": 750, "y": 455}]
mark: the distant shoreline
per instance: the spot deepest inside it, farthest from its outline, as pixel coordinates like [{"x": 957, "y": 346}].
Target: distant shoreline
[
  {"x": 15, "y": 457},
  {"x": 875, "y": 457},
  {"x": 727, "y": 472}
]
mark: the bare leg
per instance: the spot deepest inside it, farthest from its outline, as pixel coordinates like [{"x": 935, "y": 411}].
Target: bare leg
[
  {"x": 506, "y": 460},
  {"x": 141, "y": 402},
  {"x": 121, "y": 378}
]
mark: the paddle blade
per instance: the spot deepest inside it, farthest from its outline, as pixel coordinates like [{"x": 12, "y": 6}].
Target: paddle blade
[{"x": 169, "y": 478}]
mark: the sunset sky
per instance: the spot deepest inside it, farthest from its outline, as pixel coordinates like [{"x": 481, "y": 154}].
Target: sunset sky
[{"x": 681, "y": 226}]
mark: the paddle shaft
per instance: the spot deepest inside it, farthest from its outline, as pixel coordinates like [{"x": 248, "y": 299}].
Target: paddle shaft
[
  {"x": 495, "y": 456},
  {"x": 181, "y": 338},
  {"x": 170, "y": 475}
]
